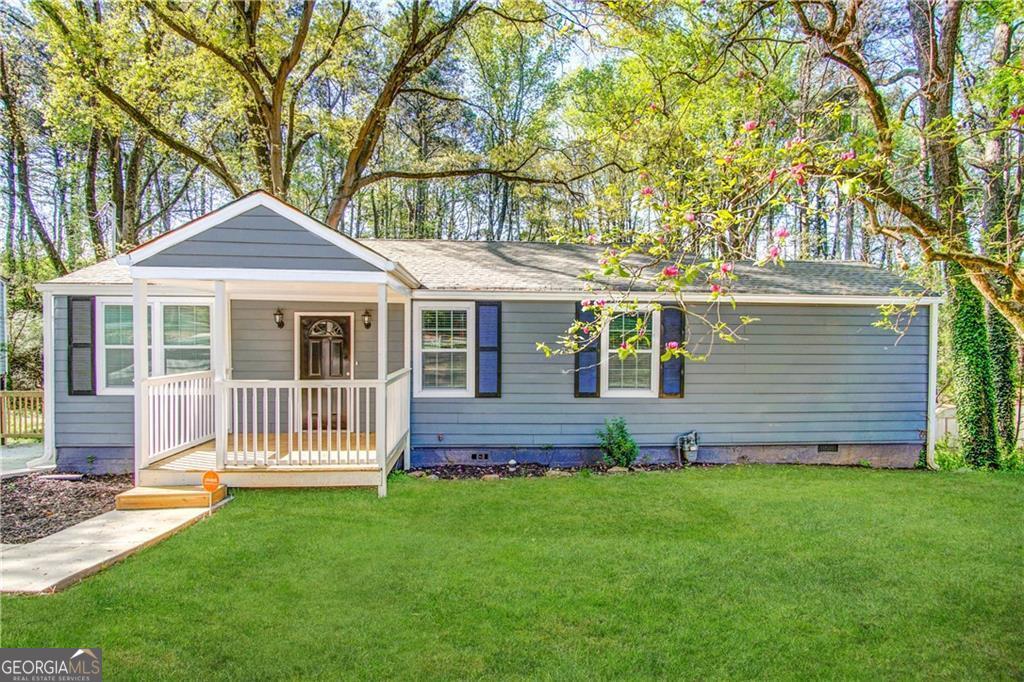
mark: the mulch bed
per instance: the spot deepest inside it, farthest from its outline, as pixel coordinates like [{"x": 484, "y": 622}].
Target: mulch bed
[
  {"x": 32, "y": 507},
  {"x": 470, "y": 471}
]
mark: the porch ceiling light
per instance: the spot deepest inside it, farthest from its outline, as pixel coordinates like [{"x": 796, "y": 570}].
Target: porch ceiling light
[
  {"x": 279, "y": 318},
  {"x": 366, "y": 319}
]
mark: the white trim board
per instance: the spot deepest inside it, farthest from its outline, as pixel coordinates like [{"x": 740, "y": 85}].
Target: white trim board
[
  {"x": 261, "y": 199},
  {"x": 655, "y": 352},
  {"x": 417, "y": 350},
  {"x": 784, "y": 299},
  {"x": 260, "y": 275}
]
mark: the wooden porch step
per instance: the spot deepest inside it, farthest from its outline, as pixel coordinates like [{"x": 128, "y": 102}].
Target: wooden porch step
[{"x": 169, "y": 497}]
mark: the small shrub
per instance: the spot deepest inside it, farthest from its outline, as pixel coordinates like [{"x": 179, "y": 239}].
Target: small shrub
[
  {"x": 949, "y": 457},
  {"x": 617, "y": 443},
  {"x": 1012, "y": 460}
]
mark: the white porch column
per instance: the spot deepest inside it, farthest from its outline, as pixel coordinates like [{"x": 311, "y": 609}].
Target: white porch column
[
  {"x": 140, "y": 342},
  {"x": 218, "y": 361},
  {"x": 382, "y": 374}
]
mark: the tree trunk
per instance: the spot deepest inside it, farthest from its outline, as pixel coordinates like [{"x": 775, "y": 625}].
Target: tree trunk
[
  {"x": 1001, "y": 336},
  {"x": 24, "y": 185},
  {"x": 936, "y": 49},
  {"x": 92, "y": 211}
]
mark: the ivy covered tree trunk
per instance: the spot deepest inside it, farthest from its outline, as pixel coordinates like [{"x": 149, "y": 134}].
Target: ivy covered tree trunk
[
  {"x": 999, "y": 229},
  {"x": 972, "y": 371},
  {"x": 1002, "y": 350}
]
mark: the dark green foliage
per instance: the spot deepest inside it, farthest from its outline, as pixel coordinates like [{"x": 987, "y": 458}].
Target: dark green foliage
[
  {"x": 972, "y": 371},
  {"x": 1003, "y": 351},
  {"x": 617, "y": 443}
]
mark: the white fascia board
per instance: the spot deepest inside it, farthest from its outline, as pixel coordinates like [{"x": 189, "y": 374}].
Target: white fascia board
[
  {"x": 464, "y": 295},
  {"x": 87, "y": 289},
  {"x": 259, "y": 275}
]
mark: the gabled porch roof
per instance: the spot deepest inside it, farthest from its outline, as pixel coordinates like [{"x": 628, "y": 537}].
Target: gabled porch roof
[{"x": 261, "y": 238}]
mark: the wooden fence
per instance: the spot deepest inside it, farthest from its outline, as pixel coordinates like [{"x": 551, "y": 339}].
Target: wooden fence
[{"x": 21, "y": 414}]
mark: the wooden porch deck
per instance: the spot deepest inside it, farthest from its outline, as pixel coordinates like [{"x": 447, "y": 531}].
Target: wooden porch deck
[{"x": 260, "y": 463}]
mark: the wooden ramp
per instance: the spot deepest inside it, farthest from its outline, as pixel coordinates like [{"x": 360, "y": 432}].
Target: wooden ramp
[{"x": 169, "y": 497}]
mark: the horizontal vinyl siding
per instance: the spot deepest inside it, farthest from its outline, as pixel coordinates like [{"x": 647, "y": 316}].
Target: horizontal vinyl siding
[
  {"x": 804, "y": 374},
  {"x": 262, "y": 351},
  {"x": 85, "y": 420},
  {"x": 259, "y": 350},
  {"x": 258, "y": 239}
]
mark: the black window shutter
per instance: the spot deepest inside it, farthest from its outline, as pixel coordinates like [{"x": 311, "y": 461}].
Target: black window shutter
[
  {"x": 81, "y": 358},
  {"x": 673, "y": 328},
  {"x": 488, "y": 350},
  {"x": 587, "y": 383}
]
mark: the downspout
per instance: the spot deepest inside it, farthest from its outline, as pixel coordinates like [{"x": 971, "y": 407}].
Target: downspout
[{"x": 933, "y": 380}]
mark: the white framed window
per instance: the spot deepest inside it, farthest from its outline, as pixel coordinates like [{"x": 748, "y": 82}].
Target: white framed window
[
  {"x": 186, "y": 337},
  {"x": 444, "y": 349},
  {"x": 637, "y": 375},
  {"x": 181, "y": 344}
]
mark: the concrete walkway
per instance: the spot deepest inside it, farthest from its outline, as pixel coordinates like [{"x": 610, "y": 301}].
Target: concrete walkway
[
  {"x": 56, "y": 561},
  {"x": 16, "y": 458}
]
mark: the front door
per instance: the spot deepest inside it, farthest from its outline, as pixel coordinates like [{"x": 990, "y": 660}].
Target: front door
[{"x": 325, "y": 355}]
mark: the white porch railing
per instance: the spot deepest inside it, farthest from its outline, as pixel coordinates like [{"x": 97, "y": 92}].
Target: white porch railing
[
  {"x": 177, "y": 413},
  {"x": 396, "y": 401},
  {"x": 280, "y": 424},
  {"x": 301, "y": 423}
]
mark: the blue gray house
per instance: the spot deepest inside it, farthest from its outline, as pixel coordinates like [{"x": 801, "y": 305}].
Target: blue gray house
[{"x": 282, "y": 353}]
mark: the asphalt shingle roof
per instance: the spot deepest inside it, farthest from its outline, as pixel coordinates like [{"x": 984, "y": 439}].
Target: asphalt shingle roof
[
  {"x": 546, "y": 267},
  {"x": 542, "y": 266}
]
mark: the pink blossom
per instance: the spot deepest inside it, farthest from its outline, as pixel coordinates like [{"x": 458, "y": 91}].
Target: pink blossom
[
  {"x": 661, "y": 239},
  {"x": 585, "y": 303},
  {"x": 624, "y": 345},
  {"x": 653, "y": 106},
  {"x": 1017, "y": 113},
  {"x": 848, "y": 155},
  {"x": 726, "y": 268},
  {"x": 592, "y": 238},
  {"x": 667, "y": 227},
  {"x": 772, "y": 175},
  {"x": 600, "y": 302},
  {"x": 782, "y": 233},
  {"x": 602, "y": 261},
  {"x": 586, "y": 329},
  {"x": 647, "y": 191},
  {"x": 774, "y": 251},
  {"x": 797, "y": 171},
  {"x": 794, "y": 142},
  {"x": 716, "y": 288},
  {"x": 772, "y": 123},
  {"x": 672, "y": 345},
  {"x": 670, "y": 271},
  {"x": 690, "y": 217},
  {"x": 727, "y": 160},
  {"x": 750, "y": 126}
]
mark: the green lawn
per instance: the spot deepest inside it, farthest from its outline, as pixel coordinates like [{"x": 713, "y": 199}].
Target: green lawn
[{"x": 766, "y": 572}]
